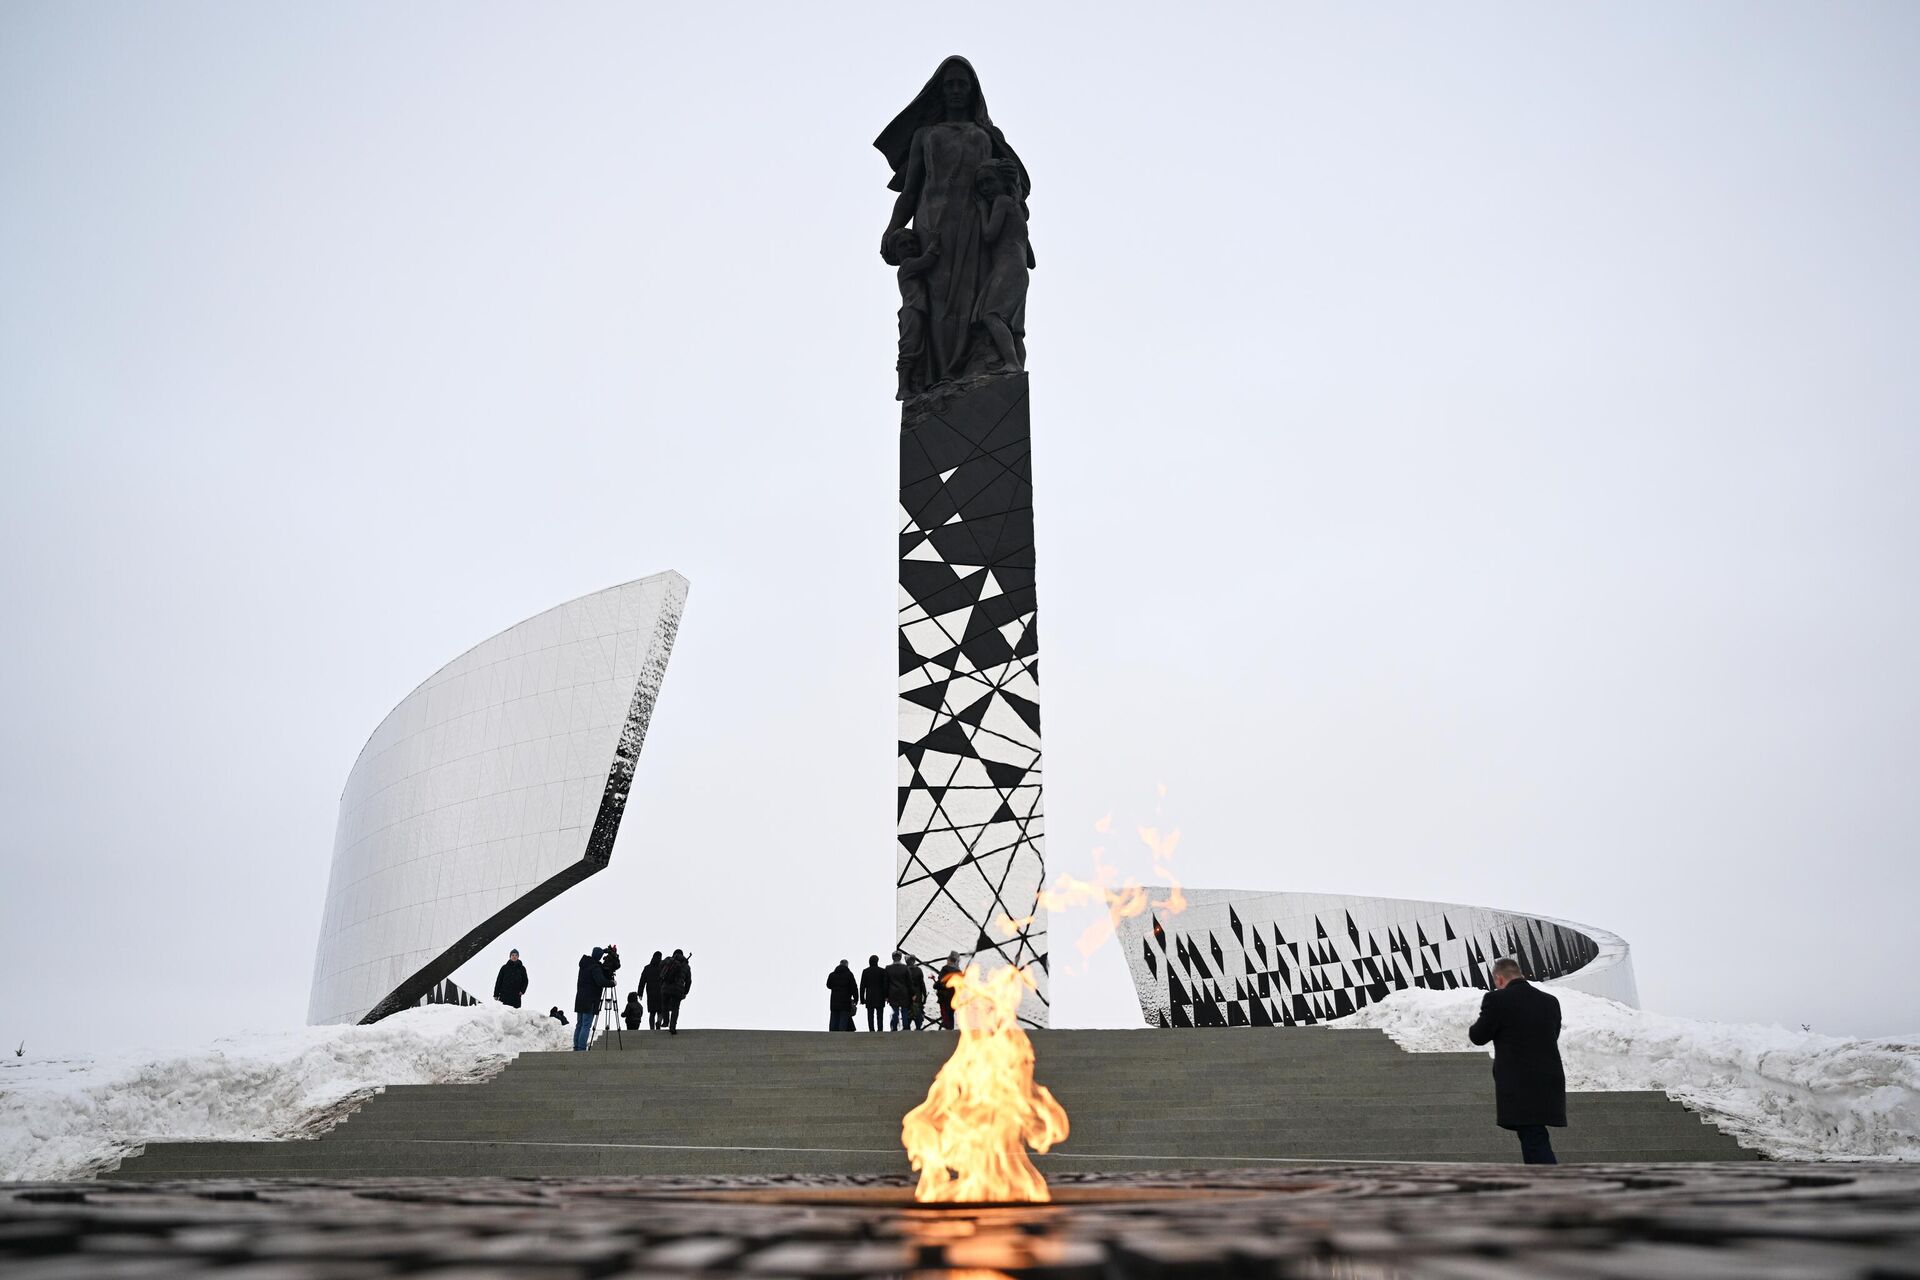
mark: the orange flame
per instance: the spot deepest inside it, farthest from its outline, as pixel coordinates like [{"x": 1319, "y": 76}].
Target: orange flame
[
  {"x": 1123, "y": 899},
  {"x": 966, "y": 1138}
]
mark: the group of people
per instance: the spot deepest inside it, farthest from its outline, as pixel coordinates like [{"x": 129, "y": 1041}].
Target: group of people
[
  {"x": 899, "y": 988},
  {"x": 1520, "y": 1021},
  {"x": 656, "y": 997},
  {"x": 663, "y": 984}
]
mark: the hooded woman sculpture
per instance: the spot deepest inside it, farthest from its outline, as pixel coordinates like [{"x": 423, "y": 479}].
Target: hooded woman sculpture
[{"x": 937, "y": 146}]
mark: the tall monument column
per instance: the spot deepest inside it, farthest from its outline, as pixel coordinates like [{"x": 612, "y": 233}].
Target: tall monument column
[{"x": 970, "y": 859}]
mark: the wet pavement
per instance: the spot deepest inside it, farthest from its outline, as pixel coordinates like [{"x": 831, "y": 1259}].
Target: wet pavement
[{"x": 1347, "y": 1221}]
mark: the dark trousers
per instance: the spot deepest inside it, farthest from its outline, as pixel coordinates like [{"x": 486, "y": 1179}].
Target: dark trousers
[
  {"x": 1535, "y": 1146},
  {"x": 670, "y": 1016},
  {"x": 876, "y": 1017},
  {"x": 840, "y": 1021}
]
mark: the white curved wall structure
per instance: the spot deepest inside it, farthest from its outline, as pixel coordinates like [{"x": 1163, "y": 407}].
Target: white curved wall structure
[
  {"x": 1235, "y": 958},
  {"x": 490, "y": 789}
]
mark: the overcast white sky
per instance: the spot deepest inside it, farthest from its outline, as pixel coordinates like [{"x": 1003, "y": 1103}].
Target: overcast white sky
[{"x": 1476, "y": 450}]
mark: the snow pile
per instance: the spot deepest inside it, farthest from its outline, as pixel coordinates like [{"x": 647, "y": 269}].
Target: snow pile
[
  {"x": 74, "y": 1117},
  {"x": 1793, "y": 1095}
]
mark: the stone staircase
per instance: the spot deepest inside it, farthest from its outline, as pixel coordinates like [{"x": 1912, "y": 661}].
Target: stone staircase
[{"x": 766, "y": 1102}]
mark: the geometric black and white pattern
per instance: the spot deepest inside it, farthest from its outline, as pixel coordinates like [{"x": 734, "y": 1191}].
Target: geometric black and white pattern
[
  {"x": 970, "y": 855},
  {"x": 1296, "y": 959}
]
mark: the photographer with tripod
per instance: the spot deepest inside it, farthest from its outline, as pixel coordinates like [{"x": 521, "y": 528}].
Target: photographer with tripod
[
  {"x": 587, "y": 995},
  {"x": 610, "y": 994}
]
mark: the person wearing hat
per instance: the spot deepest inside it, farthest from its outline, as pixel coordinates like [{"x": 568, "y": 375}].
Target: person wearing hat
[
  {"x": 512, "y": 982},
  {"x": 586, "y": 997}
]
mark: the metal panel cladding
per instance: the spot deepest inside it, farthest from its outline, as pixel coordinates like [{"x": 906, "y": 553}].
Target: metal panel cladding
[
  {"x": 1232, "y": 958},
  {"x": 490, "y": 789}
]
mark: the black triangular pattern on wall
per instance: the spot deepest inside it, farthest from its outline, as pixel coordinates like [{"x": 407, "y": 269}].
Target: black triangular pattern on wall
[
  {"x": 1235, "y": 982},
  {"x": 970, "y": 856}
]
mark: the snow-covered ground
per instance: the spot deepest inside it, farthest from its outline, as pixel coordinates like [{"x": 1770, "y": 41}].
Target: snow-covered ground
[
  {"x": 1791, "y": 1094},
  {"x": 72, "y": 1117}
]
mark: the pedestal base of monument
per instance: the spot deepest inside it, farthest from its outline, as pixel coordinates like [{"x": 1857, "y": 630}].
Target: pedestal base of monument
[{"x": 792, "y": 1102}]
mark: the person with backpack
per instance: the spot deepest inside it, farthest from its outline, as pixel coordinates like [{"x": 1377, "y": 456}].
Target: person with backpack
[
  {"x": 675, "y": 983},
  {"x": 873, "y": 993}
]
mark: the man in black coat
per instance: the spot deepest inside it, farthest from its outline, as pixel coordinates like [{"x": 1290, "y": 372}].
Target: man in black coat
[
  {"x": 652, "y": 975},
  {"x": 873, "y": 993},
  {"x": 916, "y": 994},
  {"x": 586, "y": 997},
  {"x": 512, "y": 982},
  {"x": 843, "y": 995},
  {"x": 1529, "y": 1084},
  {"x": 676, "y": 980},
  {"x": 899, "y": 991}
]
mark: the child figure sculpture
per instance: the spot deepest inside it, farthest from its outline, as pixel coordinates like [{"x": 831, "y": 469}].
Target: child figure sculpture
[
  {"x": 1002, "y": 309},
  {"x": 903, "y": 250}
]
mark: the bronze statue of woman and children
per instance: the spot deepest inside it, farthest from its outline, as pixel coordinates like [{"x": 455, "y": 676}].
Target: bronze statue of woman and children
[{"x": 962, "y": 263}]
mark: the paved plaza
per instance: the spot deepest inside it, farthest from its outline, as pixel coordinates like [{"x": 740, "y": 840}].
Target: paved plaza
[{"x": 1754, "y": 1221}]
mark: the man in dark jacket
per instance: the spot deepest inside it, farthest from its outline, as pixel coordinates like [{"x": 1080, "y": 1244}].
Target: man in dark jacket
[
  {"x": 652, "y": 974},
  {"x": 512, "y": 982},
  {"x": 899, "y": 991},
  {"x": 873, "y": 993},
  {"x": 943, "y": 988},
  {"x": 1529, "y": 1084},
  {"x": 917, "y": 994},
  {"x": 843, "y": 995},
  {"x": 586, "y": 997},
  {"x": 675, "y": 982}
]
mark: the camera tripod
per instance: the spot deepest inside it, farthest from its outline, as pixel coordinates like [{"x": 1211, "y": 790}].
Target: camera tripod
[{"x": 610, "y": 1015}]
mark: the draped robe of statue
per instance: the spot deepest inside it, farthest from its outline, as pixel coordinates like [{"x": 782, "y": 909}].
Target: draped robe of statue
[{"x": 942, "y": 158}]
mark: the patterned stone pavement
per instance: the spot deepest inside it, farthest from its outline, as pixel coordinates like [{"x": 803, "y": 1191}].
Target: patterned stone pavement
[{"x": 1327, "y": 1222}]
